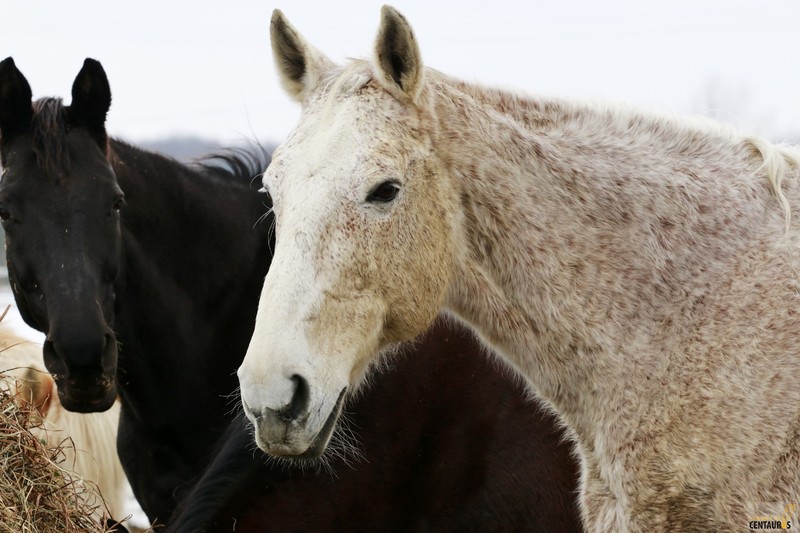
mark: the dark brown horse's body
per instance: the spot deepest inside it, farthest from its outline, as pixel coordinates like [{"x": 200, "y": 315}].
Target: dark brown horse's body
[{"x": 462, "y": 450}]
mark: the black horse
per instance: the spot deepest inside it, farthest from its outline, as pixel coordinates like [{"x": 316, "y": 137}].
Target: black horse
[{"x": 145, "y": 275}]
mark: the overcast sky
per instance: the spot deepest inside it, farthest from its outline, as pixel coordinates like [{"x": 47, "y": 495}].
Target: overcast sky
[{"x": 205, "y": 68}]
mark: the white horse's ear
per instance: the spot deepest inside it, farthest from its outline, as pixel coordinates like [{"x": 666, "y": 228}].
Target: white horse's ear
[
  {"x": 398, "y": 63},
  {"x": 300, "y": 65}
]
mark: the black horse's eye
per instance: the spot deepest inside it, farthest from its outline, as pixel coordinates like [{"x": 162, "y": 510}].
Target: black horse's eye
[
  {"x": 119, "y": 202},
  {"x": 4, "y": 214},
  {"x": 384, "y": 193}
]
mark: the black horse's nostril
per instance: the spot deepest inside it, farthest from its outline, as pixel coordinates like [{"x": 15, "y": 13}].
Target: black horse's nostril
[
  {"x": 299, "y": 403},
  {"x": 81, "y": 353}
]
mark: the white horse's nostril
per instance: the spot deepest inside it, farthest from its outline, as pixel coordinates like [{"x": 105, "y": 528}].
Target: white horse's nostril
[
  {"x": 283, "y": 400},
  {"x": 298, "y": 406}
]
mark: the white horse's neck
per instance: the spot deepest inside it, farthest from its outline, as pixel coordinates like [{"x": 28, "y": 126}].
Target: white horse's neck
[{"x": 585, "y": 238}]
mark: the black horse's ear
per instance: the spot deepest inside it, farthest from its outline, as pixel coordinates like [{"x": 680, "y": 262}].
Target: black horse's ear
[
  {"x": 91, "y": 99},
  {"x": 16, "y": 108}
]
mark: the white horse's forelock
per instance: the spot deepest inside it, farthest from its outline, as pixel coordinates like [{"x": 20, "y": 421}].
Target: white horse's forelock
[{"x": 343, "y": 82}]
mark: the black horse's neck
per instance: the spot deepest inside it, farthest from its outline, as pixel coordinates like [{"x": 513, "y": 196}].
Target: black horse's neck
[{"x": 194, "y": 258}]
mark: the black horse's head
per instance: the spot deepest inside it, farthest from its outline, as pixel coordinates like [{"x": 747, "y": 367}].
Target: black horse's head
[{"x": 60, "y": 208}]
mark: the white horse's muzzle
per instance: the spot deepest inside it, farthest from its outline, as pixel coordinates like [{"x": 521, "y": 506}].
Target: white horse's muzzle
[{"x": 293, "y": 428}]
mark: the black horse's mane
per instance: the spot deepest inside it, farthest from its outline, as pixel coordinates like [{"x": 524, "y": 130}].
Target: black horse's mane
[
  {"x": 229, "y": 165},
  {"x": 238, "y": 162},
  {"x": 49, "y": 128},
  {"x": 50, "y": 125}
]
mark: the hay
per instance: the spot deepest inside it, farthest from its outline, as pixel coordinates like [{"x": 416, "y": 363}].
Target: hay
[{"x": 37, "y": 494}]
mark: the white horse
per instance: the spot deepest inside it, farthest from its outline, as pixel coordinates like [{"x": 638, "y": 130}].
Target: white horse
[
  {"x": 639, "y": 271},
  {"x": 88, "y": 441}
]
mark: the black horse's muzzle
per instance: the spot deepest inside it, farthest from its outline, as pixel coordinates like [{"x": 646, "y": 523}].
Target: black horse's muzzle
[{"x": 84, "y": 372}]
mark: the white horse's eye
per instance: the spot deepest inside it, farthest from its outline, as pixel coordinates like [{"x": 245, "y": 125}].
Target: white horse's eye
[{"x": 384, "y": 193}]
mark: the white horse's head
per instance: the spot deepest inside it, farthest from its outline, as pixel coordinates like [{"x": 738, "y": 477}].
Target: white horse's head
[{"x": 363, "y": 254}]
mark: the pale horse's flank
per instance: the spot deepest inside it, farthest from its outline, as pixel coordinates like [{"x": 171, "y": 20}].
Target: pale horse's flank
[
  {"x": 88, "y": 440},
  {"x": 640, "y": 272}
]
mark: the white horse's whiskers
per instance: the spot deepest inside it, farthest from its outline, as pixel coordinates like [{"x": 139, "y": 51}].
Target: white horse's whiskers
[{"x": 342, "y": 450}]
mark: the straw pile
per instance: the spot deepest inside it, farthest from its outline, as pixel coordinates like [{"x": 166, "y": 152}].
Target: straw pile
[{"x": 36, "y": 494}]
